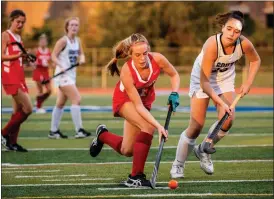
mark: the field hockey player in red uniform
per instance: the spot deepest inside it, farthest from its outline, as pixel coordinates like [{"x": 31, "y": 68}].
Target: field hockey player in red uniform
[
  {"x": 13, "y": 81},
  {"x": 132, "y": 99},
  {"x": 41, "y": 72}
]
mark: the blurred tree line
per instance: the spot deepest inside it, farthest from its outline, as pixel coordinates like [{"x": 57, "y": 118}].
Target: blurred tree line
[{"x": 165, "y": 24}]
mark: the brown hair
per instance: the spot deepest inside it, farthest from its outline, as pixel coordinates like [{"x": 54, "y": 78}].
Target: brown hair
[
  {"x": 221, "y": 19},
  {"x": 67, "y": 22},
  {"x": 123, "y": 50},
  {"x": 15, "y": 14}
]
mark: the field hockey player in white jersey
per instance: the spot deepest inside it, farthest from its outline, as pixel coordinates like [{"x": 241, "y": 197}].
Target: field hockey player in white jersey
[
  {"x": 213, "y": 77},
  {"x": 66, "y": 53}
]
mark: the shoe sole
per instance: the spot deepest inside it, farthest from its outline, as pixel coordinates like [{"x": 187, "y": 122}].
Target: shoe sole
[
  {"x": 177, "y": 176},
  {"x": 54, "y": 137},
  {"x": 197, "y": 156},
  {"x": 81, "y": 136}
]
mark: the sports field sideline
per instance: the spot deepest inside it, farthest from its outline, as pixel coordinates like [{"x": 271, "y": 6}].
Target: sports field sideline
[{"x": 63, "y": 168}]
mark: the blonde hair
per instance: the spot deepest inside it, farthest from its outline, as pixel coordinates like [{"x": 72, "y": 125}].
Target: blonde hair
[
  {"x": 123, "y": 50},
  {"x": 42, "y": 36},
  {"x": 68, "y": 20}
]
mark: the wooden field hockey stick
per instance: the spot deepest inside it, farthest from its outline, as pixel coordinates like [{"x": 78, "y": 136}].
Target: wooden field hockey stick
[
  {"x": 30, "y": 56},
  {"x": 160, "y": 151},
  {"x": 206, "y": 146},
  {"x": 48, "y": 80}
]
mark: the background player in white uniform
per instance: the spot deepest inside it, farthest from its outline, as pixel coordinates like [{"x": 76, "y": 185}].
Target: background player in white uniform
[
  {"x": 67, "y": 51},
  {"x": 213, "y": 76}
]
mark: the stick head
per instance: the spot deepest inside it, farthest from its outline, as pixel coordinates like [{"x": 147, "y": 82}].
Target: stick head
[
  {"x": 45, "y": 81},
  {"x": 207, "y": 149},
  {"x": 152, "y": 183},
  {"x": 31, "y": 57}
]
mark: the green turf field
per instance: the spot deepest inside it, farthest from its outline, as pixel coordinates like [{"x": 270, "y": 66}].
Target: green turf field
[{"x": 63, "y": 168}]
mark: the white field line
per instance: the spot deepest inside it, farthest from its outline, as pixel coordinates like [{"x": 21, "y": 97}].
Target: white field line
[
  {"x": 85, "y": 179},
  {"x": 117, "y": 163},
  {"x": 36, "y": 171},
  {"x": 166, "y": 147},
  {"x": 51, "y": 176},
  {"x": 178, "y": 135},
  {"x": 105, "y": 183},
  {"x": 200, "y": 195}
]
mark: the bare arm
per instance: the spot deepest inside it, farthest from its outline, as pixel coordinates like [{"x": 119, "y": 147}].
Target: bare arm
[
  {"x": 169, "y": 69},
  {"x": 59, "y": 46},
  {"x": 254, "y": 59},
  {"x": 134, "y": 96},
  {"x": 5, "y": 42},
  {"x": 209, "y": 57}
]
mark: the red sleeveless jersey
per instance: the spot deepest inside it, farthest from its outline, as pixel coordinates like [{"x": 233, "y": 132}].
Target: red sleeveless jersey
[
  {"x": 144, "y": 88},
  {"x": 43, "y": 58},
  {"x": 12, "y": 72}
]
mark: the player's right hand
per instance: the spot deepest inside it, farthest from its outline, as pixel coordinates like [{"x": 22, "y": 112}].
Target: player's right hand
[
  {"x": 226, "y": 108},
  {"x": 162, "y": 132}
]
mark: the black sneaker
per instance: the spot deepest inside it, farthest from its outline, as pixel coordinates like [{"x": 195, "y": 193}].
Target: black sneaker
[
  {"x": 82, "y": 133},
  {"x": 96, "y": 145},
  {"x": 137, "y": 181},
  {"x": 17, "y": 147},
  {"x": 56, "y": 135}
]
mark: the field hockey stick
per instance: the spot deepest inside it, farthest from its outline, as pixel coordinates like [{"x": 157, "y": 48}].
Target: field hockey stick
[
  {"x": 160, "y": 151},
  {"x": 206, "y": 146},
  {"x": 48, "y": 80},
  {"x": 30, "y": 56}
]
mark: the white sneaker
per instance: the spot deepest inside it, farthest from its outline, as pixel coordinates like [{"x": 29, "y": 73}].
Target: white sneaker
[
  {"x": 41, "y": 111},
  {"x": 177, "y": 171},
  {"x": 205, "y": 161}
]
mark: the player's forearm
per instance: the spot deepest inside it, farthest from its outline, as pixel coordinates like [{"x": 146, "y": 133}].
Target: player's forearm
[
  {"x": 10, "y": 57},
  {"x": 253, "y": 69},
  {"x": 147, "y": 116},
  {"x": 175, "y": 82},
  {"x": 210, "y": 92}
]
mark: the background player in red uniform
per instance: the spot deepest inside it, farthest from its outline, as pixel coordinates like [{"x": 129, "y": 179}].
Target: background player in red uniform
[
  {"x": 13, "y": 81},
  {"x": 41, "y": 72},
  {"x": 132, "y": 100}
]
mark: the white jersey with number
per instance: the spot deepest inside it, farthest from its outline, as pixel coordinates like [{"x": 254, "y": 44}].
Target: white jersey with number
[
  {"x": 68, "y": 57},
  {"x": 223, "y": 71}
]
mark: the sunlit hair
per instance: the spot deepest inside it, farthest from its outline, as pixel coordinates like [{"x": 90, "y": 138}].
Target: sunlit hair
[
  {"x": 15, "y": 14},
  {"x": 222, "y": 19},
  {"x": 123, "y": 49},
  {"x": 43, "y": 36},
  {"x": 68, "y": 20}
]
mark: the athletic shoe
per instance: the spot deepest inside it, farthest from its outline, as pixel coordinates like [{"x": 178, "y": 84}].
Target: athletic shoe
[
  {"x": 56, "y": 135},
  {"x": 17, "y": 147},
  {"x": 137, "y": 181},
  {"x": 96, "y": 145},
  {"x": 177, "y": 171},
  {"x": 82, "y": 133},
  {"x": 206, "y": 163},
  {"x": 40, "y": 111}
]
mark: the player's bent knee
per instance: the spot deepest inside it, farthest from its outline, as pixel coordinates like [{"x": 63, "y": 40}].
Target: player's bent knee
[{"x": 126, "y": 152}]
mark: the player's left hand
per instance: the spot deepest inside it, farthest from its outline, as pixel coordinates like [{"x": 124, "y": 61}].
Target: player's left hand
[
  {"x": 244, "y": 89},
  {"x": 173, "y": 100}
]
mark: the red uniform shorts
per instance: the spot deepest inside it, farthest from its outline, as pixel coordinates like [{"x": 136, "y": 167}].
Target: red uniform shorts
[
  {"x": 119, "y": 98},
  {"x": 40, "y": 74},
  {"x": 12, "y": 89}
]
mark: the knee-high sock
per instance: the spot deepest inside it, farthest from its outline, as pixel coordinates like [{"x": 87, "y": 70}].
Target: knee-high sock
[
  {"x": 112, "y": 140},
  {"x": 40, "y": 99},
  {"x": 140, "y": 152},
  {"x": 15, "y": 121},
  {"x": 56, "y": 118},
  {"x": 217, "y": 138},
  {"x": 184, "y": 148},
  {"x": 75, "y": 111},
  {"x": 13, "y": 137}
]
